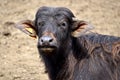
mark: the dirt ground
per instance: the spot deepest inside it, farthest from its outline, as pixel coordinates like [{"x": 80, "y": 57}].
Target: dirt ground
[{"x": 19, "y": 59}]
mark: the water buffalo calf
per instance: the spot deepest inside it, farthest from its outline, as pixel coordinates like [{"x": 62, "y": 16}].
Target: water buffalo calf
[{"x": 68, "y": 52}]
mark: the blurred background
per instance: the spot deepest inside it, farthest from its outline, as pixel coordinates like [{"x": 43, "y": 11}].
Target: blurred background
[{"x": 19, "y": 59}]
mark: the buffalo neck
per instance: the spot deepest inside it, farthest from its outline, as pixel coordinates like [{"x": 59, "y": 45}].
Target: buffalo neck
[{"x": 56, "y": 61}]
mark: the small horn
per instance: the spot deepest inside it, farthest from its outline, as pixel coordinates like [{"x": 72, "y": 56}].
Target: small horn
[{"x": 75, "y": 19}]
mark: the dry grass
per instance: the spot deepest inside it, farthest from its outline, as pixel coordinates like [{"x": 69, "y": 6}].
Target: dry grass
[{"x": 19, "y": 58}]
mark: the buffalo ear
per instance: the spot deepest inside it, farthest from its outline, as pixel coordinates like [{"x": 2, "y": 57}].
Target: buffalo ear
[
  {"x": 80, "y": 28},
  {"x": 27, "y": 26}
]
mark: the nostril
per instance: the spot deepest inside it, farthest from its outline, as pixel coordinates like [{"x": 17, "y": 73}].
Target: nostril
[
  {"x": 41, "y": 40},
  {"x": 50, "y": 40}
]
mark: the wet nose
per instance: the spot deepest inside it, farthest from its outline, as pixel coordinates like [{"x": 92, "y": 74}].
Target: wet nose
[{"x": 46, "y": 40}]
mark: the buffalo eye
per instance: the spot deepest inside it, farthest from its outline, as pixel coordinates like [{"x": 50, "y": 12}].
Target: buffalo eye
[
  {"x": 41, "y": 23},
  {"x": 63, "y": 24}
]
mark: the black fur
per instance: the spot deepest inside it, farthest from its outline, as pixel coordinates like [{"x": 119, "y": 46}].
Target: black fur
[{"x": 89, "y": 57}]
